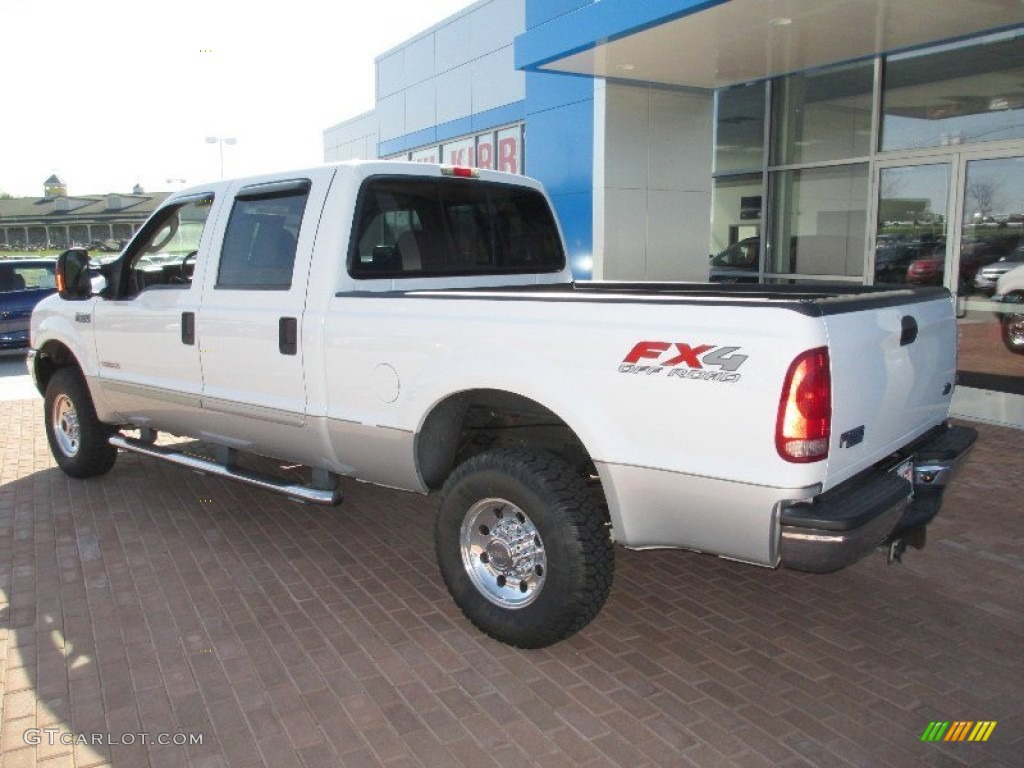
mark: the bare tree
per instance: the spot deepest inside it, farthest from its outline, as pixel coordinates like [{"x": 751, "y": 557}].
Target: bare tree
[
  {"x": 893, "y": 183},
  {"x": 984, "y": 193}
]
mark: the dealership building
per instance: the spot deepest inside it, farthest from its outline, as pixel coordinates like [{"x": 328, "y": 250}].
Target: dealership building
[{"x": 807, "y": 141}]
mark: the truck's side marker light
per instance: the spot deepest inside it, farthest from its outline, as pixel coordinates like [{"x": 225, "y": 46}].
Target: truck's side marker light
[{"x": 804, "y": 425}]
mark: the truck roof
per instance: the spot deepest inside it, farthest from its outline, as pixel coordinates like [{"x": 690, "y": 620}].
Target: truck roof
[{"x": 362, "y": 169}]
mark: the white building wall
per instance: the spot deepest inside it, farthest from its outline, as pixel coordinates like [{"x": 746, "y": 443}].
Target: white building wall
[
  {"x": 355, "y": 139},
  {"x": 461, "y": 67},
  {"x": 652, "y": 196}
]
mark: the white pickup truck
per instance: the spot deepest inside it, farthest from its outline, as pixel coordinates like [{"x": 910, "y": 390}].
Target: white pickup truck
[{"x": 418, "y": 327}]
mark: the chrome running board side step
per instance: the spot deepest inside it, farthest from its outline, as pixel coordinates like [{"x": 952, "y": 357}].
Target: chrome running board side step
[{"x": 326, "y": 496}]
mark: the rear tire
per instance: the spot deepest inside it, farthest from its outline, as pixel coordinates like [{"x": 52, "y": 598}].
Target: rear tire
[
  {"x": 523, "y": 545},
  {"x": 78, "y": 440}
]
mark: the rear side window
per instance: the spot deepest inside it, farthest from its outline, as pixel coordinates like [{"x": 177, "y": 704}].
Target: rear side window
[
  {"x": 261, "y": 237},
  {"x": 423, "y": 227}
]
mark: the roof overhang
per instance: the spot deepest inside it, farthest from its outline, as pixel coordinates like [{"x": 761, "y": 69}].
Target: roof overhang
[{"x": 716, "y": 43}]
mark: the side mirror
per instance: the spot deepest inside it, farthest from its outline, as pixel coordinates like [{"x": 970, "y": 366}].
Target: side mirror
[{"x": 71, "y": 274}]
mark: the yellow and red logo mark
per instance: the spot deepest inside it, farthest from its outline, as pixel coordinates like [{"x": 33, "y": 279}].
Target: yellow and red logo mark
[{"x": 958, "y": 730}]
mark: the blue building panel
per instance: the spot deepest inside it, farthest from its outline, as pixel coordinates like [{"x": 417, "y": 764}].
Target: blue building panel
[
  {"x": 550, "y": 90},
  {"x": 495, "y": 118},
  {"x": 538, "y": 13},
  {"x": 560, "y": 147},
  {"x": 576, "y": 215},
  {"x": 559, "y": 153},
  {"x": 593, "y": 23},
  {"x": 464, "y": 126},
  {"x": 453, "y": 129},
  {"x": 407, "y": 142}
]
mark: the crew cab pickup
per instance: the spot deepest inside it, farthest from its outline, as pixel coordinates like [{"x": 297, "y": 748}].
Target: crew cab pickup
[{"x": 418, "y": 327}]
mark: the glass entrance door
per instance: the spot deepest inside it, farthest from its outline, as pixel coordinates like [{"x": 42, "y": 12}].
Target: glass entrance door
[
  {"x": 912, "y": 222},
  {"x": 957, "y": 219},
  {"x": 991, "y": 245}
]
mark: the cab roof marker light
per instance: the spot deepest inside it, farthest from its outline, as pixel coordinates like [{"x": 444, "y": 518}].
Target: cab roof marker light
[{"x": 460, "y": 171}]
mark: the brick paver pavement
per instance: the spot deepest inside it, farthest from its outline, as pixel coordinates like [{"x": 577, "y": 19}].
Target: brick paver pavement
[{"x": 157, "y": 601}]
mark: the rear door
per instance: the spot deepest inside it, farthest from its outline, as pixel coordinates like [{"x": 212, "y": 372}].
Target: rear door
[
  {"x": 250, "y": 322},
  {"x": 893, "y": 371}
]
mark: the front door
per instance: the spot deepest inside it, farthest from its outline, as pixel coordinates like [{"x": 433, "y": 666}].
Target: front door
[{"x": 149, "y": 367}]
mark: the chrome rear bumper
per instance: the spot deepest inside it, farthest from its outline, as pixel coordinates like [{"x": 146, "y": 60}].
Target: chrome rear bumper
[{"x": 839, "y": 527}]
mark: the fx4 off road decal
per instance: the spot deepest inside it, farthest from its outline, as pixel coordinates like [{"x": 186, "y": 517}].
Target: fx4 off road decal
[{"x": 676, "y": 360}]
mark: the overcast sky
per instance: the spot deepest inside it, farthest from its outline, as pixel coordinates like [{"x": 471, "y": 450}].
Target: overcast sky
[{"x": 109, "y": 93}]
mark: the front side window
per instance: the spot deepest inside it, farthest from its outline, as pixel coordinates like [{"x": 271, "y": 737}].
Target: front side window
[
  {"x": 421, "y": 227},
  {"x": 165, "y": 254},
  {"x": 262, "y": 236}
]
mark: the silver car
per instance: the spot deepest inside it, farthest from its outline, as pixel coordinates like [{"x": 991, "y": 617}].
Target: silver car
[{"x": 986, "y": 277}]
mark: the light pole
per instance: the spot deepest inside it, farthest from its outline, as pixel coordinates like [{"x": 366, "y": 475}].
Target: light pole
[{"x": 221, "y": 141}]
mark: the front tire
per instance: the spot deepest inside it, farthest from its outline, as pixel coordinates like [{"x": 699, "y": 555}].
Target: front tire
[
  {"x": 523, "y": 545},
  {"x": 78, "y": 440}
]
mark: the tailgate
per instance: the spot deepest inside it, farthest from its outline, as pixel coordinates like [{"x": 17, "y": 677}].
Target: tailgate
[{"x": 893, "y": 371}]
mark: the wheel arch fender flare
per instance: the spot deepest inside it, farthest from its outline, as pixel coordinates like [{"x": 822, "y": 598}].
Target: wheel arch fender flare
[{"x": 438, "y": 431}]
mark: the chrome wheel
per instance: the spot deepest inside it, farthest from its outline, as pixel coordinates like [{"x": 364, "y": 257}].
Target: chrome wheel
[
  {"x": 1015, "y": 331},
  {"x": 503, "y": 553},
  {"x": 65, "y": 426}
]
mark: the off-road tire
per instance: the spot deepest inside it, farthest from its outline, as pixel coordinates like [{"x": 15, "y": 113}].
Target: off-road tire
[
  {"x": 78, "y": 440},
  {"x": 568, "y": 529}
]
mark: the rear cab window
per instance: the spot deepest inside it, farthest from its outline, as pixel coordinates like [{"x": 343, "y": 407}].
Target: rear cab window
[{"x": 423, "y": 227}]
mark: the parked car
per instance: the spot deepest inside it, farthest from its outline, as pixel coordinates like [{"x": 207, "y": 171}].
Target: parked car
[
  {"x": 975, "y": 254},
  {"x": 930, "y": 267},
  {"x": 892, "y": 260},
  {"x": 1009, "y": 292},
  {"x": 737, "y": 263},
  {"x": 926, "y": 271},
  {"x": 987, "y": 277},
  {"x": 23, "y": 284}
]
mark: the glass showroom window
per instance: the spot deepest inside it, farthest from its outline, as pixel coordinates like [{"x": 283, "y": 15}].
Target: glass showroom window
[
  {"x": 824, "y": 115},
  {"x": 739, "y": 128},
  {"x": 736, "y": 210},
  {"x": 963, "y": 93},
  {"x": 819, "y": 220}
]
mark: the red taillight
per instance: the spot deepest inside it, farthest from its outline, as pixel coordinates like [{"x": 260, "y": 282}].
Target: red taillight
[{"x": 804, "y": 425}]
